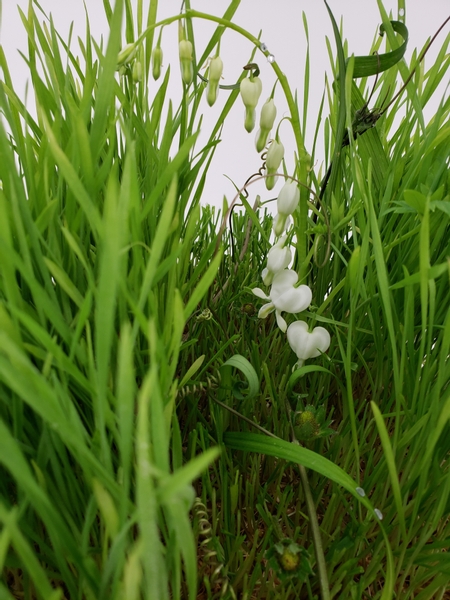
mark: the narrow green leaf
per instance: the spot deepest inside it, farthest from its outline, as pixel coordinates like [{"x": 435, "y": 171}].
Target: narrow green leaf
[
  {"x": 372, "y": 65},
  {"x": 390, "y": 461},
  {"x": 242, "y": 364},
  {"x": 253, "y": 442}
]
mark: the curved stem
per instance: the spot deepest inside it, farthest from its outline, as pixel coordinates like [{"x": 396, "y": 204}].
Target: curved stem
[{"x": 303, "y": 167}]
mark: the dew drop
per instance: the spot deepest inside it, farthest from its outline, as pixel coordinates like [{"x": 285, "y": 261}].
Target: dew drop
[
  {"x": 401, "y": 12},
  {"x": 360, "y": 491},
  {"x": 263, "y": 47},
  {"x": 271, "y": 58},
  {"x": 379, "y": 514}
]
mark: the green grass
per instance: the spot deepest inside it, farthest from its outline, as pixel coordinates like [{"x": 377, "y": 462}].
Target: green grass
[{"x": 123, "y": 334}]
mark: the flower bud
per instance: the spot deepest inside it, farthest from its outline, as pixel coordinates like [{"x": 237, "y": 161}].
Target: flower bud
[
  {"x": 250, "y": 92},
  {"x": 288, "y": 198},
  {"x": 137, "y": 71},
  {"x": 157, "y": 56},
  {"x": 268, "y": 114},
  {"x": 126, "y": 55},
  {"x": 280, "y": 224},
  {"x": 187, "y": 68},
  {"x": 278, "y": 259},
  {"x": 275, "y": 155},
  {"x": 215, "y": 73},
  {"x": 287, "y": 202},
  {"x": 267, "y": 119}
]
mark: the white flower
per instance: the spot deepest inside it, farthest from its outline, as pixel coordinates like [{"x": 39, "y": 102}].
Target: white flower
[
  {"x": 287, "y": 202},
  {"x": 278, "y": 258},
  {"x": 284, "y": 297},
  {"x": 307, "y": 344}
]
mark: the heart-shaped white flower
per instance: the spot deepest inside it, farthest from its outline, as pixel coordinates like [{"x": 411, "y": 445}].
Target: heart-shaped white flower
[
  {"x": 307, "y": 344},
  {"x": 284, "y": 297}
]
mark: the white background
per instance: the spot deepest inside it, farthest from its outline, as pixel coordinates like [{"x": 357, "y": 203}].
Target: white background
[{"x": 281, "y": 24}]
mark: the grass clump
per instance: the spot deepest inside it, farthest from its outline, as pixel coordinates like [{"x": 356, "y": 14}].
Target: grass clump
[{"x": 154, "y": 439}]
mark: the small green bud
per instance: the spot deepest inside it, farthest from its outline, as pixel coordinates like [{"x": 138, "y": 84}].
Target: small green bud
[
  {"x": 268, "y": 115},
  {"x": 266, "y": 121},
  {"x": 126, "y": 55},
  {"x": 275, "y": 155},
  {"x": 157, "y": 56},
  {"x": 215, "y": 73},
  {"x": 187, "y": 67},
  {"x": 250, "y": 90},
  {"x": 137, "y": 72}
]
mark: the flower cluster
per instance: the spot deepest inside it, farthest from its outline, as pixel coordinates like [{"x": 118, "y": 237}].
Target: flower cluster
[
  {"x": 285, "y": 294},
  {"x": 128, "y": 59}
]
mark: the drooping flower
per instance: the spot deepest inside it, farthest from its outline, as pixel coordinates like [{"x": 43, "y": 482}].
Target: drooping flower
[
  {"x": 250, "y": 89},
  {"x": 266, "y": 121},
  {"x": 278, "y": 258},
  {"x": 307, "y": 344},
  {"x": 215, "y": 73},
  {"x": 287, "y": 202},
  {"x": 275, "y": 155},
  {"x": 284, "y": 297}
]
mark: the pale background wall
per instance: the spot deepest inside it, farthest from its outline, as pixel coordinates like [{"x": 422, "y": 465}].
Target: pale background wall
[{"x": 281, "y": 23}]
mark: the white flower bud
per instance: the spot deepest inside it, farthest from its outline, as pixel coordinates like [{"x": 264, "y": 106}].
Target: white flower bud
[
  {"x": 250, "y": 92},
  {"x": 278, "y": 258},
  {"x": 288, "y": 198},
  {"x": 275, "y": 155},
  {"x": 268, "y": 114}
]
